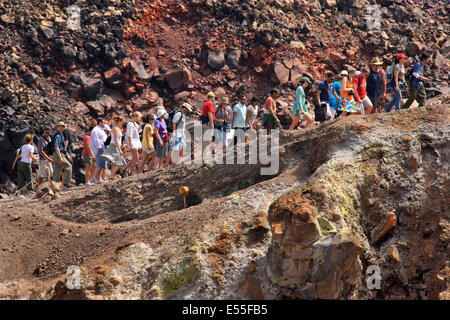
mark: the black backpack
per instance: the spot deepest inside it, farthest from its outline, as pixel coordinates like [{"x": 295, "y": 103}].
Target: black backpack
[
  {"x": 171, "y": 116},
  {"x": 409, "y": 74},
  {"x": 49, "y": 148}
]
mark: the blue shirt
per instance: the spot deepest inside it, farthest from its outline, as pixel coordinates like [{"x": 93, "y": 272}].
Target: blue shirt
[
  {"x": 336, "y": 86},
  {"x": 59, "y": 142},
  {"x": 418, "y": 68},
  {"x": 300, "y": 100},
  {"x": 240, "y": 110},
  {"x": 325, "y": 91}
]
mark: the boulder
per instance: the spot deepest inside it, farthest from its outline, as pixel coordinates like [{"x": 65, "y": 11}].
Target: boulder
[
  {"x": 216, "y": 59},
  {"x": 93, "y": 87},
  {"x": 177, "y": 79},
  {"x": 414, "y": 48},
  {"x": 68, "y": 55},
  {"x": 113, "y": 76},
  {"x": 81, "y": 108},
  {"x": 79, "y": 78},
  {"x": 279, "y": 74},
  {"x": 138, "y": 69}
]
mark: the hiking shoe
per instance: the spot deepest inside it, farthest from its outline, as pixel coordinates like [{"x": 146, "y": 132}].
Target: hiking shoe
[
  {"x": 21, "y": 197},
  {"x": 88, "y": 184}
]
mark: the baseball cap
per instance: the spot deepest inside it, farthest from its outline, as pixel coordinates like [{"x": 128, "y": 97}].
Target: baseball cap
[
  {"x": 306, "y": 79},
  {"x": 343, "y": 72},
  {"x": 106, "y": 128},
  {"x": 401, "y": 56}
]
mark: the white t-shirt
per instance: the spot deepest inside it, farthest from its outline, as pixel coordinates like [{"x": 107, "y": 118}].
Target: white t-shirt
[
  {"x": 25, "y": 150},
  {"x": 253, "y": 114},
  {"x": 98, "y": 138},
  {"x": 133, "y": 133},
  {"x": 181, "y": 126}
]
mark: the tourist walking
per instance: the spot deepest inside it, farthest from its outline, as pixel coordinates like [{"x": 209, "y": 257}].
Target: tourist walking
[
  {"x": 114, "y": 153},
  {"x": 417, "y": 88},
  {"x": 238, "y": 121},
  {"x": 348, "y": 103},
  {"x": 87, "y": 154},
  {"x": 148, "y": 148},
  {"x": 60, "y": 157},
  {"x": 360, "y": 87},
  {"x": 162, "y": 138},
  {"x": 177, "y": 139},
  {"x": 376, "y": 84},
  {"x": 133, "y": 141},
  {"x": 270, "y": 120},
  {"x": 300, "y": 109},
  {"x": 395, "y": 76},
  {"x": 24, "y": 172},
  {"x": 44, "y": 147},
  {"x": 222, "y": 123}
]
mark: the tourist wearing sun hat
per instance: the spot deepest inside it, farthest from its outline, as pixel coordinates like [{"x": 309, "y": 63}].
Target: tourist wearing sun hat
[
  {"x": 177, "y": 140},
  {"x": 162, "y": 137},
  {"x": 348, "y": 104},
  {"x": 397, "y": 82},
  {"x": 61, "y": 157},
  {"x": 376, "y": 84}
]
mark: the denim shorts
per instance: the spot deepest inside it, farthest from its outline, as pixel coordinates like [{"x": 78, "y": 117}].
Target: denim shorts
[
  {"x": 177, "y": 144},
  {"x": 100, "y": 163}
]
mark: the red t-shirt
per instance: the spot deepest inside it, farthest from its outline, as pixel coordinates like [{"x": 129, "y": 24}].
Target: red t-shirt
[
  {"x": 208, "y": 107},
  {"x": 87, "y": 141},
  {"x": 361, "y": 86}
]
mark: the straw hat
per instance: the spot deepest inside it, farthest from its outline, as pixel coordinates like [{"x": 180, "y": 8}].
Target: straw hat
[
  {"x": 187, "y": 106},
  {"x": 376, "y": 61},
  {"x": 224, "y": 100},
  {"x": 60, "y": 124}
]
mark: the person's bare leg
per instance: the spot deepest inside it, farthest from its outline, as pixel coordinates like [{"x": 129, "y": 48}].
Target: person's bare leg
[
  {"x": 368, "y": 110},
  {"x": 309, "y": 121},
  {"x": 112, "y": 175},
  {"x": 143, "y": 162},
  {"x": 168, "y": 159},
  {"x": 151, "y": 165},
  {"x": 294, "y": 123},
  {"x": 343, "y": 114},
  {"x": 134, "y": 160}
]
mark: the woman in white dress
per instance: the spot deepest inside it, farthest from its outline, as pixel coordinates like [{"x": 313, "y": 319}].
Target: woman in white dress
[{"x": 114, "y": 153}]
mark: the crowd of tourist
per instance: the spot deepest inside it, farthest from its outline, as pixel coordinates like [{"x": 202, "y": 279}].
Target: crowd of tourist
[{"x": 158, "y": 140}]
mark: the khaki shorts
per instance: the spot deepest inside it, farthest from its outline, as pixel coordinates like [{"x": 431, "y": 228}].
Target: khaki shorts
[{"x": 43, "y": 166}]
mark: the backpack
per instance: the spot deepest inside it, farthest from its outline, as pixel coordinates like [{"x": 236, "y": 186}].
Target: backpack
[
  {"x": 390, "y": 73},
  {"x": 107, "y": 141},
  {"x": 171, "y": 116},
  {"x": 409, "y": 74},
  {"x": 49, "y": 148}
]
